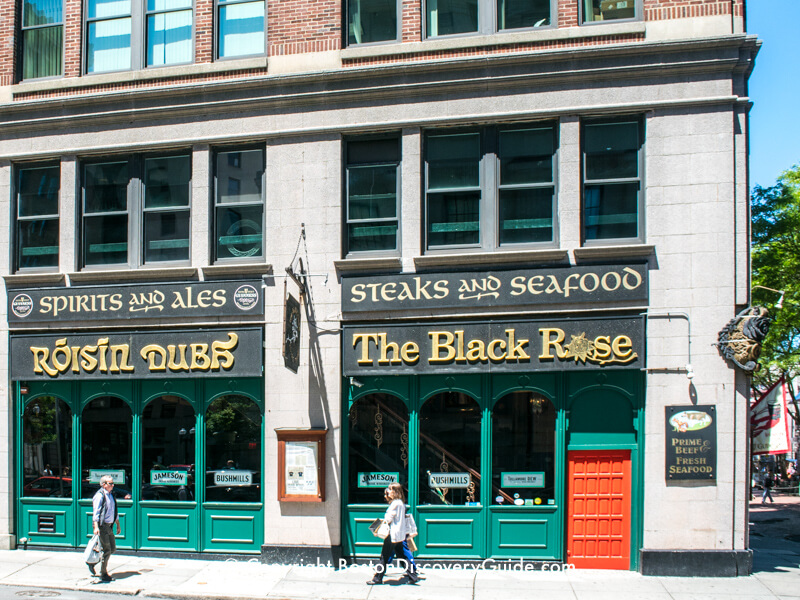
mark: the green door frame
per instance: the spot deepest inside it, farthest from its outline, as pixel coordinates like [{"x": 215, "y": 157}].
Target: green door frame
[
  {"x": 243, "y": 522},
  {"x": 561, "y": 388}
]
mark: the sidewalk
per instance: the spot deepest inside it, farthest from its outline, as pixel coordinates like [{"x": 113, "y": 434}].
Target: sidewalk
[{"x": 777, "y": 576}]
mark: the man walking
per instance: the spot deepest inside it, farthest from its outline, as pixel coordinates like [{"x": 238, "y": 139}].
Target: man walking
[{"x": 104, "y": 516}]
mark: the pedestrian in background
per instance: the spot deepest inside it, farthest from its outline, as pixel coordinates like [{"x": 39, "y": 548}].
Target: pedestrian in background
[
  {"x": 104, "y": 517},
  {"x": 768, "y": 483},
  {"x": 395, "y": 517}
]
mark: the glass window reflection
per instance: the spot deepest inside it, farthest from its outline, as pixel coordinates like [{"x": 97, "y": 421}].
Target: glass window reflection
[
  {"x": 47, "y": 448},
  {"x": 106, "y": 445},
  {"x": 233, "y": 450},
  {"x": 168, "y": 450}
]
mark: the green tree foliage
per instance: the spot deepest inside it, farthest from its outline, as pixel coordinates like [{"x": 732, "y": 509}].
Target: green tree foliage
[{"x": 776, "y": 264}]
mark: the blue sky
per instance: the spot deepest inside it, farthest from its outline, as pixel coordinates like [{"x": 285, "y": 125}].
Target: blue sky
[{"x": 774, "y": 90}]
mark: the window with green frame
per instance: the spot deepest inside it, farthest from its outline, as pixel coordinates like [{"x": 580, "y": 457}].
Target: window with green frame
[
  {"x": 612, "y": 182},
  {"x": 490, "y": 188},
  {"x": 42, "y": 38},
  {"x": 372, "y": 182},
  {"x": 239, "y": 203},
  {"x": 37, "y": 217},
  {"x": 152, "y": 191}
]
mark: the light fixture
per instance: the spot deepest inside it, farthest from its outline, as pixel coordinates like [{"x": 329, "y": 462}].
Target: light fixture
[
  {"x": 779, "y": 303},
  {"x": 689, "y": 372},
  {"x": 355, "y": 382}
]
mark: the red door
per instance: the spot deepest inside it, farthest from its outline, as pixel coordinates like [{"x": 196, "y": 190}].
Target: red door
[{"x": 599, "y": 509}]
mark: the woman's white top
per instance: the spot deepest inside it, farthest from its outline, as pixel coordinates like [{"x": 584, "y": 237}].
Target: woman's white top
[{"x": 396, "y": 517}]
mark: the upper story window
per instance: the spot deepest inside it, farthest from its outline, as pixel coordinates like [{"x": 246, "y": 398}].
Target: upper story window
[
  {"x": 490, "y": 188},
  {"x": 454, "y": 17},
  {"x": 372, "y": 189},
  {"x": 612, "y": 180},
  {"x": 371, "y": 21},
  {"x": 239, "y": 204},
  {"x": 136, "y": 211},
  {"x": 115, "y": 41},
  {"x": 42, "y": 38},
  {"x": 593, "y": 11},
  {"x": 37, "y": 235},
  {"x": 240, "y": 28}
]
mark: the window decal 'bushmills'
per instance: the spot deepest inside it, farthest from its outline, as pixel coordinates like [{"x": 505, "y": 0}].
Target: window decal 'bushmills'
[{"x": 138, "y": 355}]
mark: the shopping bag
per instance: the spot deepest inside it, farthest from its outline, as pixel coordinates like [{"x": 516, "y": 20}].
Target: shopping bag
[
  {"x": 93, "y": 551},
  {"x": 411, "y": 544},
  {"x": 411, "y": 526},
  {"x": 379, "y": 528}
]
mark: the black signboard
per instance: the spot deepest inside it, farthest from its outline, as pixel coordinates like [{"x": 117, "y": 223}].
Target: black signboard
[
  {"x": 691, "y": 443},
  {"x": 291, "y": 333},
  {"x": 597, "y": 285},
  {"x": 197, "y": 353},
  {"x": 497, "y": 346},
  {"x": 151, "y": 301}
]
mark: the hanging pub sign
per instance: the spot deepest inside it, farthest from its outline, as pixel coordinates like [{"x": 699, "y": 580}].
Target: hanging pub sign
[
  {"x": 207, "y": 353},
  {"x": 152, "y": 301},
  {"x": 610, "y": 285},
  {"x": 497, "y": 346},
  {"x": 291, "y": 333},
  {"x": 691, "y": 443}
]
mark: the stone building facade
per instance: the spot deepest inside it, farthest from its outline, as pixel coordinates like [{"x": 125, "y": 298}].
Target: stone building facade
[{"x": 525, "y": 159}]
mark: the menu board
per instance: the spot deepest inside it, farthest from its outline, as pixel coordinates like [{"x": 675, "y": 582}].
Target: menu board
[{"x": 301, "y": 468}]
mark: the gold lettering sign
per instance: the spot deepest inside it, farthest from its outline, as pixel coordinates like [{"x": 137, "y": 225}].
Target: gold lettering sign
[{"x": 103, "y": 357}]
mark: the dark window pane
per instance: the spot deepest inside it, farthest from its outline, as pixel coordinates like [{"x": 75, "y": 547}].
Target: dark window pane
[
  {"x": 526, "y": 156},
  {"x": 168, "y": 446},
  {"x": 378, "y": 450},
  {"x": 239, "y": 231},
  {"x": 166, "y": 181},
  {"x": 247, "y": 168},
  {"x": 42, "y": 12},
  {"x": 608, "y": 10},
  {"x": 523, "y": 450},
  {"x": 42, "y": 51},
  {"x": 38, "y": 191},
  {"x": 612, "y": 150},
  {"x": 611, "y": 211},
  {"x": 241, "y": 29},
  {"x": 373, "y": 151},
  {"x": 454, "y": 219},
  {"x": 371, "y": 21},
  {"x": 106, "y": 188},
  {"x": 364, "y": 237},
  {"x": 233, "y": 448},
  {"x": 166, "y": 236},
  {"x": 515, "y": 14},
  {"x": 372, "y": 192},
  {"x": 448, "y": 17},
  {"x": 38, "y": 243},
  {"x": 450, "y": 443},
  {"x": 47, "y": 449},
  {"x": 526, "y": 215},
  {"x": 106, "y": 240},
  {"x": 453, "y": 161},
  {"x": 106, "y": 446}
]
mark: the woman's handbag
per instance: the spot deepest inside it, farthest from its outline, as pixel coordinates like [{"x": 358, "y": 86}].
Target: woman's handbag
[
  {"x": 93, "y": 551},
  {"x": 411, "y": 525},
  {"x": 383, "y": 531}
]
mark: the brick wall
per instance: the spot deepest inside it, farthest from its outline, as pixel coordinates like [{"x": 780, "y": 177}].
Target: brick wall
[
  {"x": 8, "y": 40},
  {"x": 412, "y": 21},
  {"x": 567, "y": 13},
  {"x": 657, "y": 10},
  {"x": 73, "y": 36},
  {"x": 204, "y": 31},
  {"x": 298, "y": 26}
]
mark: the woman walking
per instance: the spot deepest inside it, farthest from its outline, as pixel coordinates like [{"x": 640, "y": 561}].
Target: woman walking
[{"x": 395, "y": 517}]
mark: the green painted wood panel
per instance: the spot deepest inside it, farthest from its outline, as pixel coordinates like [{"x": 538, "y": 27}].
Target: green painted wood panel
[
  {"x": 357, "y": 539},
  {"x": 232, "y": 528},
  {"x": 451, "y": 532},
  {"x": 168, "y": 526},
  {"x": 519, "y": 532},
  {"x": 126, "y": 523},
  {"x": 36, "y": 516}
]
